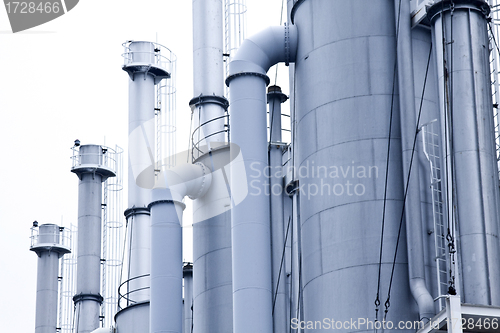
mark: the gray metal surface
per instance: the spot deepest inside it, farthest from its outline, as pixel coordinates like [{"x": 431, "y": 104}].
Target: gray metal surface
[
  {"x": 343, "y": 91},
  {"x": 212, "y": 274},
  {"x": 413, "y": 216},
  {"x": 274, "y": 98},
  {"x": 252, "y": 282},
  {"x": 49, "y": 248},
  {"x": 208, "y": 66},
  {"x": 88, "y": 283},
  {"x": 141, "y": 148},
  {"x": 421, "y": 43},
  {"x": 166, "y": 263},
  {"x": 131, "y": 319},
  {"x": 471, "y": 145}
]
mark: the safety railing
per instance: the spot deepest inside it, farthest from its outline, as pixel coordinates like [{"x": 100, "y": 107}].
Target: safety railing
[
  {"x": 199, "y": 139},
  {"x": 58, "y": 238},
  {"x": 161, "y": 56},
  {"x": 106, "y": 158},
  {"x": 126, "y": 297}
]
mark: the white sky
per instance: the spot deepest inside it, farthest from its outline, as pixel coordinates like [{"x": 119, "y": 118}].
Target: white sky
[{"x": 62, "y": 81}]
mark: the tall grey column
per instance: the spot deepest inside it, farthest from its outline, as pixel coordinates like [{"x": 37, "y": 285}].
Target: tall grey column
[
  {"x": 91, "y": 168},
  {"x": 48, "y": 244},
  {"x": 461, "y": 39},
  {"x": 166, "y": 263},
  {"x": 146, "y": 67},
  {"x": 274, "y": 98},
  {"x": 212, "y": 279}
]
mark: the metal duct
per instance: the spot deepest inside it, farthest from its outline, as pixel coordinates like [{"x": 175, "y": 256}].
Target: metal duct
[
  {"x": 252, "y": 277},
  {"x": 274, "y": 98},
  {"x": 166, "y": 208},
  {"x": 462, "y": 51},
  {"x": 48, "y": 243},
  {"x": 343, "y": 92},
  {"x": 413, "y": 216}
]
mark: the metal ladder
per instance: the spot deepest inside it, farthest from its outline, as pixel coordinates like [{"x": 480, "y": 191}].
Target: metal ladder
[{"x": 432, "y": 153}]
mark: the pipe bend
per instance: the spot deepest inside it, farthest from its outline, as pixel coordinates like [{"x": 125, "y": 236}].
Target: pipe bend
[
  {"x": 423, "y": 298},
  {"x": 267, "y": 48},
  {"x": 192, "y": 180}
]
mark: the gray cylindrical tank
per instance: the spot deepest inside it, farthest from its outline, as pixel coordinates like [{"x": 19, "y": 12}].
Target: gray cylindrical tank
[
  {"x": 471, "y": 142},
  {"x": 344, "y": 85}
]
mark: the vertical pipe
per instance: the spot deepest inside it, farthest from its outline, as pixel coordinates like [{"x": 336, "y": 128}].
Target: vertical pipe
[
  {"x": 166, "y": 263},
  {"x": 274, "y": 98},
  {"x": 408, "y": 119},
  {"x": 91, "y": 172},
  {"x": 252, "y": 291},
  {"x": 48, "y": 247},
  {"x": 188, "y": 298},
  {"x": 208, "y": 66},
  {"x": 465, "y": 94}
]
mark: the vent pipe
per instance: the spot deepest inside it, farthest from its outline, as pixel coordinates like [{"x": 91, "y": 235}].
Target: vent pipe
[
  {"x": 413, "y": 216},
  {"x": 166, "y": 209},
  {"x": 274, "y": 98},
  {"x": 47, "y": 241},
  {"x": 92, "y": 166},
  {"x": 208, "y": 103},
  {"x": 247, "y": 81}
]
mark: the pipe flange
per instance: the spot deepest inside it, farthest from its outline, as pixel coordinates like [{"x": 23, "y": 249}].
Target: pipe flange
[
  {"x": 448, "y": 5},
  {"x": 136, "y": 211},
  {"x": 287, "y": 45},
  {"x": 263, "y": 76},
  {"x": 205, "y": 182},
  {"x": 206, "y": 99},
  {"x": 157, "y": 202},
  {"x": 88, "y": 297}
]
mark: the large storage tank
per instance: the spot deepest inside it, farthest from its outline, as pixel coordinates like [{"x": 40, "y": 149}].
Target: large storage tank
[{"x": 344, "y": 89}]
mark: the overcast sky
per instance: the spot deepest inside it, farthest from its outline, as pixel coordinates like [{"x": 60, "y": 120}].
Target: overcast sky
[{"x": 61, "y": 81}]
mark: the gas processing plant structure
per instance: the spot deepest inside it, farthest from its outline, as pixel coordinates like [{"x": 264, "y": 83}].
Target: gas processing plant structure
[{"x": 381, "y": 213}]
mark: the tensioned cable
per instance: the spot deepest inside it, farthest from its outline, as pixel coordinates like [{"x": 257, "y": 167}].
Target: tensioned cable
[
  {"x": 377, "y": 299},
  {"x": 387, "y": 302},
  {"x": 281, "y": 265}
]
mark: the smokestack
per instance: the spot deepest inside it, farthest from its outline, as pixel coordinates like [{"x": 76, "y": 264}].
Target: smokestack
[
  {"x": 93, "y": 165},
  {"x": 147, "y": 64},
  {"x": 50, "y": 244}
]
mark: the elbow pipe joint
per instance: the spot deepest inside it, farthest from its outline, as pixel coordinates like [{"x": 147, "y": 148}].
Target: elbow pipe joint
[
  {"x": 423, "y": 298},
  {"x": 258, "y": 53},
  {"x": 192, "y": 180}
]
